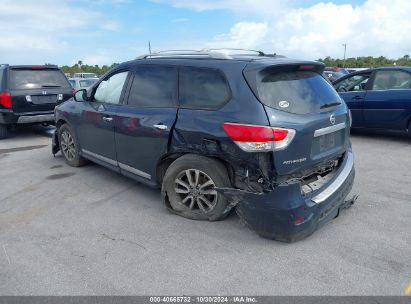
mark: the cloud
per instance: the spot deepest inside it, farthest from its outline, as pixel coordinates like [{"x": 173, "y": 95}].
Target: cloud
[
  {"x": 377, "y": 27},
  {"x": 262, "y": 7},
  {"x": 180, "y": 20},
  {"x": 111, "y": 26},
  {"x": 242, "y": 35},
  {"x": 36, "y": 29}
]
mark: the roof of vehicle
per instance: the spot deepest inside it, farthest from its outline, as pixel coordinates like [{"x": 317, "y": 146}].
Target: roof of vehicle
[{"x": 258, "y": 58}]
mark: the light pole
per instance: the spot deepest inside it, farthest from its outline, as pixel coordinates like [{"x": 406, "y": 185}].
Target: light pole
[{"x": 345, "y": 50}]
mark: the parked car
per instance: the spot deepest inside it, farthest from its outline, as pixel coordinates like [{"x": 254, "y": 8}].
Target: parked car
[
  {"x": 334, "y": 73},
  {"x": 84, "y": 75},
  {"x": 378, "y": 98},
  {"x": 28, "y": 94},
  {"x": 82, "y": 83},
  {"x": 267, "y": 135}
]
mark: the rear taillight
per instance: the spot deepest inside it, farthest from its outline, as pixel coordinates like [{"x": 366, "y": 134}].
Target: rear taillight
[
  {"x": 5, "y": 100},
  {"x": 252, "y": 138},
  {"x": 350, "y": 117}
]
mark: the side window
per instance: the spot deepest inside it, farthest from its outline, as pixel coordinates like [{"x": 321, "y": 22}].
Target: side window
[
  {"x": 353, "y": 84},
  {"x": 154, "y": 86},
  {"x": 203, "y": 88},
  {"x": 391, "y": 80},
  {"x": 109, "y": 90}
]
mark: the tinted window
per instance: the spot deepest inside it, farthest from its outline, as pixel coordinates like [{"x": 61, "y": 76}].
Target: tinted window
[
  {"x": 299, "y": 92},
  {"x": 73, "y": 83},
  {"x": 391, "y": 80},
  {"x": 154, "y": 86},
  {"x": 36, "y": 79},
  {"x": 203, "y": 88},
  {"x": 352, "y": 84},
  {"x": 109, "y": 90}
]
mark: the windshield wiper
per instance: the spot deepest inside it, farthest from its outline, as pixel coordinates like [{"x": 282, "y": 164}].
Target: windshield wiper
[
  {"x": 331, "y": 104},
  {"x": 50, "y": 86}
]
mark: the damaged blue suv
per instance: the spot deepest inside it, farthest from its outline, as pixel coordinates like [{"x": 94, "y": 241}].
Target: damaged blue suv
[{"x": 218, "y": 130}]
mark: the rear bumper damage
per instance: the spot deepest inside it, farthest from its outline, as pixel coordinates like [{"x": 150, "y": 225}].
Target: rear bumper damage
[{"x": 285, "y": 214}]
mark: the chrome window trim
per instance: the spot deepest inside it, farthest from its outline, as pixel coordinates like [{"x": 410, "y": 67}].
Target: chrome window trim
[
  {"x": 134, "y": 170},
  {"x": 330, "y": 129},
  {"x": 100, "y": 157},
  {"x": 327, "y": 192}
]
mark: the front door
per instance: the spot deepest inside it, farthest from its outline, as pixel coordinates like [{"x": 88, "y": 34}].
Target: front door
[
  {"x": 144, "y": 123},
  {"x": 96, "y": 126},
  {"x": 354, "y": 90}
]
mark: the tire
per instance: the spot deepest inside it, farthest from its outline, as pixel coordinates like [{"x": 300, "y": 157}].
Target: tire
[
  {"x": 4, "y": 132},
  {"x": 188, "y": 199},
  {"x": 69, "y": 147}
]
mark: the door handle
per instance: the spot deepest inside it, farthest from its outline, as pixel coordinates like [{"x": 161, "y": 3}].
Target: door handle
[
  {"x": 357, "y": 97},
  {"x": 160, "y": 127},
  {"x": 107, "y": 119}
]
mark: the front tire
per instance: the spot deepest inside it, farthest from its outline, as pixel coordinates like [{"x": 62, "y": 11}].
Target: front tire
[
  {"x": 4, "y": 131},
  {"x": 69, "y": 147},
  {"x": 190, "y": 183}
]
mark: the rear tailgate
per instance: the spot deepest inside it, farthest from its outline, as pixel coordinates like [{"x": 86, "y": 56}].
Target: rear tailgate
[
  {"x": 297, "y": 97},
  {"x": 37, "y": 89}
]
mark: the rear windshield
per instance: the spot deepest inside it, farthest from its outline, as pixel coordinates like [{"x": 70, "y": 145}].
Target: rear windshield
[
  {"x": 299, "y": 92},
  {"x": 37, "y": 79}
]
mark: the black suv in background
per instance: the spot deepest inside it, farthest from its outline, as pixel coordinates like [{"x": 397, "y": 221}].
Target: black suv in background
[
  {"x": 28, "y": 94},
  {"x": 266, "y": 135}
]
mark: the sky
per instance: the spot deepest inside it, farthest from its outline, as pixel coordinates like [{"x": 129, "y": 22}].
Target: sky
[{"x": 106, "y": 31}]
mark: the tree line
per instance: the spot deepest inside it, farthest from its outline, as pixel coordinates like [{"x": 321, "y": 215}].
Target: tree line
[
  {"x": 353, "y": 62},
  {"x": 79, "y": 67},
  {"x": 366, "y": 62}
]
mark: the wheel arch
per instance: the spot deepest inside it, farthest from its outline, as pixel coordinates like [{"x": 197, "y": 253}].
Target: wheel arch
[{"x": 167, "y": 160}]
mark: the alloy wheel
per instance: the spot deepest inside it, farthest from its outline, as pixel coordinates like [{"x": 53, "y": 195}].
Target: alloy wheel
[
  {"x": 68, "y": 146},
  {"x": 196, "y": 190}
]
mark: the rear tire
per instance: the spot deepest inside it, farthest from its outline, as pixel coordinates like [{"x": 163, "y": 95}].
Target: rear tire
[
  {"x": 4, "y": 131},
  {"x": 189, "y": 185},
  {"x": 69, "y": 147}
]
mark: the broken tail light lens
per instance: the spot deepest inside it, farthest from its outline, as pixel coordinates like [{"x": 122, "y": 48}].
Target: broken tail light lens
[
  {"x": 5, "y": 100},
  {"x": 252, "y": 138}
]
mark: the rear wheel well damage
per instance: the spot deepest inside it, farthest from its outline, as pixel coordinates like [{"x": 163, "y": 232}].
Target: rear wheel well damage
[{"x": 166, "y": 161}]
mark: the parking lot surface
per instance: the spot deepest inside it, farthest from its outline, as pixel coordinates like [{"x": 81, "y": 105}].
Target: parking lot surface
[{"x": 89, "y": 231}]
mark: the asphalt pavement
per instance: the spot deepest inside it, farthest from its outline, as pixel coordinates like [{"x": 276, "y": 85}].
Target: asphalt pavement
[{"x": 89, "y": 231}]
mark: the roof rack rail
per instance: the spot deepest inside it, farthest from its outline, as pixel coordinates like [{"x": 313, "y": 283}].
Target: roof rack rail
[
  {"x": 220, "y": 53},
  {"x": 232, "y": 51}
]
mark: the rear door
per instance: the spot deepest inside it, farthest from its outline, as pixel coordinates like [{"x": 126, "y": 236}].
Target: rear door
[
  {"x": 354, "y": 90},
  {"x": 387, "y": 104},
  {"x": 302, "y": 100},
  {"x": 144, "y": 123},
  {"x": 37, "y": 89},
  {"x": 95, "y": 128}
]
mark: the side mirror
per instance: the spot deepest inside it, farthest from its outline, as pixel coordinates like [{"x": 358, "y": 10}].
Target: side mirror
[{"x": 80, "y": 95}]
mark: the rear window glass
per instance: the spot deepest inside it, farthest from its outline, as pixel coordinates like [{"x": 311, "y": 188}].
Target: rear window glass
[
  {"x": 299, "y": 92},
  {"x": 203, "y": 88},
  {"x": 36, "y": 79}
]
